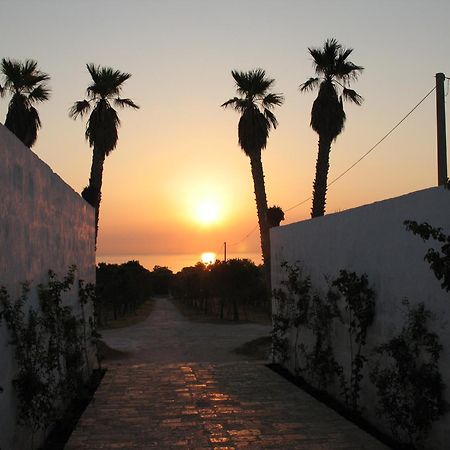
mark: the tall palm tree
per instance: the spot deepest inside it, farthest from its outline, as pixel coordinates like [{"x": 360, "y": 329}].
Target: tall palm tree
[
  {"x": 101, "y": 127},
  {"x": 27, "y": 85},
  {"x": 255, "y": 104},
  {"x": 334, "y": 74}
]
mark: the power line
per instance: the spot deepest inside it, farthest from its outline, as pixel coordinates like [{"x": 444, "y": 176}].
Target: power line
[
  {"x": 244, "y": 238},
  {"x": 353, "y": 165},
  {"x": 372, "y": 148}
]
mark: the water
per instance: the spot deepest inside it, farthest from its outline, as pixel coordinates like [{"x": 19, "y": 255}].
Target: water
[{"x": 174, "y": 262}]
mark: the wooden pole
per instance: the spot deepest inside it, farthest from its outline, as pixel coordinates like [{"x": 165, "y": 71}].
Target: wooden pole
[
  {"x": 225, "y": 251},
  {"x": 441, "y": 133}
]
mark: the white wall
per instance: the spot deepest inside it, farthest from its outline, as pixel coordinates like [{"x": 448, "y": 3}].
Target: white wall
[
  {"x": 44, "y": 224},
  {"x": 372, "y": 239}
]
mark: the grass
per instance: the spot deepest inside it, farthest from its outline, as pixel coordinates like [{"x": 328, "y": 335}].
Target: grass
[{"x": 139, "y": 315}]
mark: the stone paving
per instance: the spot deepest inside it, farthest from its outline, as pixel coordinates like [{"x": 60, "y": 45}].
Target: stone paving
[{"x": 204, "y": 405}]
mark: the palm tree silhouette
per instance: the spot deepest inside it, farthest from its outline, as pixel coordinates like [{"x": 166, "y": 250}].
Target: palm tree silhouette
[
  {"x": 334, "y": 74},
  {"x": 27, "y": 86},
  {"x": 255, "y": 105},
  {"x": 101, "y": 127}
]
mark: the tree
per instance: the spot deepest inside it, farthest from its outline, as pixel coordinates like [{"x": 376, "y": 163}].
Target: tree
[
  {"x": 334, "y": 74},
  {"x": 275, "y": 216},
  {"x": 27, "y": 86},
  {"x": 101, "y": 127},
  {"x": 255, "y": 105}
]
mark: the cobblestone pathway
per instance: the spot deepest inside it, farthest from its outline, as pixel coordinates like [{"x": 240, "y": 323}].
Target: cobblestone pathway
[{"x": 203, "y": 405}]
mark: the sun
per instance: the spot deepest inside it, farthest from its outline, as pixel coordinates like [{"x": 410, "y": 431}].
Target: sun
[
  {"x": 207, "y": 212},
  {"x": 208, "y": 258}
]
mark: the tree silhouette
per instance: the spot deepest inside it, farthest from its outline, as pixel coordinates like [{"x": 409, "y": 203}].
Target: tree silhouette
[
  {"x": 102, "y": 125},
  {"x": 255, "y": 105},
  {"x": 334, "y": 74},
  {"x": 274, "y": 216},
  {"x": 27, "y": 86}
]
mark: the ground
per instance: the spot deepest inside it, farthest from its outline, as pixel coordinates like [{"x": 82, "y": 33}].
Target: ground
[{"x": 181, "y": 386}]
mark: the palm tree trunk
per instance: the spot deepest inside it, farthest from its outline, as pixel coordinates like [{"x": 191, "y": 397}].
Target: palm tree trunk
[
  {"x": 95, "y": 183},
  {"x": 320, "y": 182},
  {"x": 261, "y": 207}
]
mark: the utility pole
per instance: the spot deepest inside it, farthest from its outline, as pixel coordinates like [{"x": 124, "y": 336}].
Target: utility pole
[
  {"x": 225, "y": 251},
  {"x": 441, "y": 134}
]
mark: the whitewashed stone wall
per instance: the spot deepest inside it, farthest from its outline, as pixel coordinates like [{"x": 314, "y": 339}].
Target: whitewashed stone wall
[
  {"x": 44, "y": 224},
  {"x": 372, "y": 239}
]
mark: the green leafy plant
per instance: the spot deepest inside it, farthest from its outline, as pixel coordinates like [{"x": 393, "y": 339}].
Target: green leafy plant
[
  {"x": 35, "y": 381},
  {"x": 50, "y": 345},
  {"x": 359, "y": 306},
  {"x": 299, "y": 308},
  {"x": 407, "y": 378},
  {"x": 439, "y": 260},
  {"x": 321, "y": 364}
]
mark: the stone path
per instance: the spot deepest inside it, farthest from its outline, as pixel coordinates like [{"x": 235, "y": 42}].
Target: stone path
[{"x": 204, "y": 405}]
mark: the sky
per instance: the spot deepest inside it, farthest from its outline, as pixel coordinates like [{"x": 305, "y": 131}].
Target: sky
[{"x": 180, "y": 149}]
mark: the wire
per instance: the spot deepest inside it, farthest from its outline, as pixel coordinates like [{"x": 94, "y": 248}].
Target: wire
[
  {"x": 244, "y": 238},
  {"x": 372, "y": 148},
  {"x": 353, "y": 165}
]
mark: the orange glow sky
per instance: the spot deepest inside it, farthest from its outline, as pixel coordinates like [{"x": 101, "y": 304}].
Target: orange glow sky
[{"x": 181, "y": 146}]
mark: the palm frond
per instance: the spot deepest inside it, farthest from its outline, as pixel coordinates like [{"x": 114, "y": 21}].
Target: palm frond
[
  {"x": 22, "y": 77},
  {"x": 122, "y": 102},
  {"x": 239, "y": 104},
  {"x": 350, "y": 94},
  {"x": 348, "y": 71},
  {"x": 107, "y": 82},
  {"x": 80, "y": 109},
  {"x": 271, "y": 100},
  {"x": 309, "y": 84},
  {"x": 252, "y": 83},
  {"x": 11, "y": 71},
  {"x": 93, "y": 71},
  {"x": 270, "y": 116},
  {"x": 39, "y": 94},
  {"x": 29, "y": 67}
]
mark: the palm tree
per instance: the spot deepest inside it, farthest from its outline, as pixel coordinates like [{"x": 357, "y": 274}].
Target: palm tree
[
  {"x": 101, "y": 127},
  {"x": 27, "y": 86},
  {"x": 255, "y": 104},
  {"x": 334, "y": 74}
]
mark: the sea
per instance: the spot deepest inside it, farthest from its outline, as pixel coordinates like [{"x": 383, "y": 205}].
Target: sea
[{"x": 174, "y": 262}]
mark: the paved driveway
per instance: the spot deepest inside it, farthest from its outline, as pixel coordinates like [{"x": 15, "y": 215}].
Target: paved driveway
[
  {"x": 183, "y": 388},
  {"x": 167, "y": 336}
]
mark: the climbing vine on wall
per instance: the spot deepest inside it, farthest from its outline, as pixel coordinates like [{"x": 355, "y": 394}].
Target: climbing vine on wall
[
  {"x": 301, "y": 310},
  {"x": 50, "y": 346},
  {"x": 349, "y": 302},
  {"x": 407, "y": 378},
  {"x": 439, "y": 260},
  {"x": 358, "y": 315}
]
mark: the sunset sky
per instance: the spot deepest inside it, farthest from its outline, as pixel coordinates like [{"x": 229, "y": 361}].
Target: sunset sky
[{"x": 180, "y": 149}]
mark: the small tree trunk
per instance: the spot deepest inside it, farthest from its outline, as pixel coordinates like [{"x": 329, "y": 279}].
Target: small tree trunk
[
  {"x": 320, "y": 182},
  {"x": 235, "y": 310},
  {"x": 261, "y": 207},
  {"x": 95, "y": 184}
]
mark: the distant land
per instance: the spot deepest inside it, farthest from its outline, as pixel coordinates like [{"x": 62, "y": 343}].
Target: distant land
[{"x": 174, "y": 262}]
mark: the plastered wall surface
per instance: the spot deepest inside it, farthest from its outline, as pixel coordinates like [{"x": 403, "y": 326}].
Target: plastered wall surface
[
  {"x": 44, "y": 224},
  {"x": 372, "y": 239}
]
